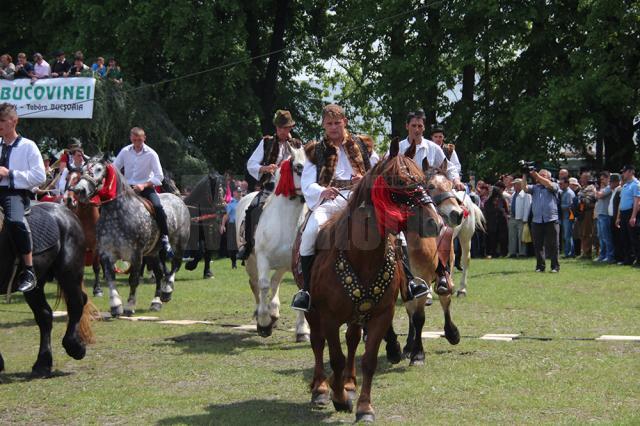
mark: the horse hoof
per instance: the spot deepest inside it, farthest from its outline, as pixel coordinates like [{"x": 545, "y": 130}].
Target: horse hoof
[
  {"x": 156, "y": 307},
  {"x": 365, "y": 417},
  {"x": 452, "y": 334},
  {"x": 1, "y": 364},
  {"x": 129, "y": 312},
  {"x": 40, "y": 371},
  {"x": 274, "y": 322},
  {"x": 301, "y": 338},
  {"x": 394, "y": 354},
  {"x": 165, "y": 297},
  {"x": 461, "y": 293},
  {"x": 97, "y": 292},
  {"x": 75, "y": 349},
  {"x": 116, "y": 311},
  {"x": 417, "y": 362},
  {"x": 352, "y": 395},
  {"x": 406, "y": 354},
  {"x": 320, "y": 399},
  {"x": 264, "y": 331},
  {"x": 346, "y": 407}
]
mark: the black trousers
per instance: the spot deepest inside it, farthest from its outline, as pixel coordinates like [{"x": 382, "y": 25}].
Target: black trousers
[
  {"x": 629, "y": 238},
  {"x": 546, "y": 243},
  {"x": 161, "y": 217},
  {"x": 14, "y": 204}
]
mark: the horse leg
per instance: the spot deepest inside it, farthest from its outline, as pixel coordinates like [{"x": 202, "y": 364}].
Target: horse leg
[
  {"x": 394, "y": 353},
  {"x": 156, "y": 302},
  {"x": 44, "y": 318},
  {"x": 451, "y": 332},
  {"x": 264, "y": 323},
  {"x": 207, "y": 264},
  {"x": 319, "y": 385},
  {"x": 377, "y": 326},
  {"x": 115, "y": 302},
  {"x": 252, "y": 271},
  {"x": 134, "y": 280},
  {"x": 339, "y": 396},
  {"x": 465, "y": 243},
  {"x": 302, "y": 328},
  {"x": 1, "y": 364},
  {"x": 354, "y": 332},
  {"x": 274, "y": 304},
  {"x": 417, "y": 319},
  {"x": 97, "y": 290},
  {"x": 75, "y": 299},
  {"x": 411, "y": 308}
]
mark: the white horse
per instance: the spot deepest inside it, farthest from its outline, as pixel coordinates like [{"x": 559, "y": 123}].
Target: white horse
[
  {"x": 472, "y": 220},
  {"x": 274, "y": 238}
]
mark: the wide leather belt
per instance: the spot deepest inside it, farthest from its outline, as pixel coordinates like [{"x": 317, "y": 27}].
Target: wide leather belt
[{"x": 341, "y": 184}]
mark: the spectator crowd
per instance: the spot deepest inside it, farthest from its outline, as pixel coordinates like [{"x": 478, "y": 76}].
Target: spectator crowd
[
  {"x": 58, "y": 67},
  {"x": 588, "y": 216}
]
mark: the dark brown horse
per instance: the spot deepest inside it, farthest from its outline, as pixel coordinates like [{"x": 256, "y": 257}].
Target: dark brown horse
[{"x": 357, "y": 274}]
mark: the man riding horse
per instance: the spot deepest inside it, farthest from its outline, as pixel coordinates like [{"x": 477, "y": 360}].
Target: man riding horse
[
  {"x": 143, "y": 172},
  {"x": 21, "y": 170},
  {"x": 438, "y": 137},
  {"x": 428, "y": 154},
  {"x": 333, "y": 166},
  {"x": 262, "y": 165}
]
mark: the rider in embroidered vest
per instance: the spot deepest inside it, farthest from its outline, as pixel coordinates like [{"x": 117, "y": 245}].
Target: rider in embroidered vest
[
  {"x": 449, "y": 149},
  {"x": 143, "y": 173},
  {"x": 21, "y": 170},
  {"x": 333, "y": 166},
  {"x": 262, "y": 165},
  {"x": 426, "y": 153}
]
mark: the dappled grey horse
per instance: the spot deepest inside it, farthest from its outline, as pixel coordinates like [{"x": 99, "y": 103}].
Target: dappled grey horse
[{"x": 126, "y": 230}]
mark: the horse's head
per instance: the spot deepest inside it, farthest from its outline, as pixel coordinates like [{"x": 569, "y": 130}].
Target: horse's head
[
  {"x": 298, "y": 159},
  {"x": 289, "y": 175},
  {"x": 441, "y": 191},
  {"x": 69, "y": 198},
  {"x": 93, "y": 175}
]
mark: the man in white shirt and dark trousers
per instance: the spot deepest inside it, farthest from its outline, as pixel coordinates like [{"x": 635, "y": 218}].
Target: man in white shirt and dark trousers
[
  {"x": 21, "y": 169},
  {"x": 143, "y": 173},
  {"x": 518, "y": 216}
]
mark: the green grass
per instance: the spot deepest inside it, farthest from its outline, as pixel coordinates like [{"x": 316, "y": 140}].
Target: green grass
[{"x": 146, "y": 373}]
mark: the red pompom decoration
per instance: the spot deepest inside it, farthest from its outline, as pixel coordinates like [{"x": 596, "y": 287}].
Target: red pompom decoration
[
  {"x": 390, "y": 216},
  {"x": 286, "y": 186}
]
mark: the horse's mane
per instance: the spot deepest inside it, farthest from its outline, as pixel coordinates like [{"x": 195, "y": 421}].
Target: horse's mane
[
  {"x": 202, "y": 191},
  {"x": 398, "y": 170}
]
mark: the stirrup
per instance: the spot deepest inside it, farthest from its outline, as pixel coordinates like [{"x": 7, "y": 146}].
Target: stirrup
[
  {"x": 418, "y": 287},
  {"x": 301, "y": 301},
  {"x": 28, "y": 281},
  {"x": 442, "y": 285}
]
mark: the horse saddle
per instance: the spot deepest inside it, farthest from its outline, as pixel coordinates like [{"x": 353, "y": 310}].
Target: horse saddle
[
  {"x": 147, "y": 205},
  {"x": 45, "y": 232}
]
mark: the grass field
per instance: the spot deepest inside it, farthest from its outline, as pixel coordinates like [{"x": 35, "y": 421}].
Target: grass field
[{"x": 149, "y": 373}]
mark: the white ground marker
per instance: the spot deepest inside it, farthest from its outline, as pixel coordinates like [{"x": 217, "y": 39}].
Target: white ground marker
[
  {"x": 246, "y": 327},
  {"x": 432, "y": 334},
  {"x": 499, "y": 337},
  {"x": 139, "y": 318},
  {"x": 184, "y": 322},
  {"x": 59, "y": 314},
  {"x": 619, "y": 338}
]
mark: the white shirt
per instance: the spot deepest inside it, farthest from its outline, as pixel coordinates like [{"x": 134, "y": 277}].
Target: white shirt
[
  {"x": 523, "y": 206},
  {"x": 42, "y": 70},
  {"x": 434, "y": 155},
  {"x": 312, "y": 189},
  {"x": 140, "y": 167},
  {"x": 253, "y": 164},
  {"x": 26, "y": 169},
  {"x": 456, "y": 162}
]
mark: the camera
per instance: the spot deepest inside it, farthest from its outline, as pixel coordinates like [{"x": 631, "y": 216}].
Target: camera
[{"x": 527, "y": 166}]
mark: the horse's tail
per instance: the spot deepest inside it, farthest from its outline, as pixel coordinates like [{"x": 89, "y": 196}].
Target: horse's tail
[
  {"x": 89, "y": 313},
  {"x": 481, "y": 223}
]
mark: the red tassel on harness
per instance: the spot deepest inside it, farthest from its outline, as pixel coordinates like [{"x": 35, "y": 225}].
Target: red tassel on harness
[
  {"x": 286, "y": 186},
  {"x": 109, "y": 187},
  {"x": 391, "y": 216}
]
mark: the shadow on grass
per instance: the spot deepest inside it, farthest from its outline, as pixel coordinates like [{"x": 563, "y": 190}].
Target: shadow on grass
[
  {"x": 258, "y": 411},
  {"x": 7, "y": 379},
  {"x": 211, "y": 343},
  {"x": 498, "y": 273}
]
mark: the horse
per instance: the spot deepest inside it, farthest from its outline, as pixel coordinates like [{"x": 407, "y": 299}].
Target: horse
[
  {"x": 357, "y": 274},
  {"x": 441, "y": 191},
  {"x": 58, "y": 253},
  {"x": 206, "y": 207},
  {"x": 126, "y": 230},
  {"x": 282, "y": 215},
  {"x": 88, "y": 214}
]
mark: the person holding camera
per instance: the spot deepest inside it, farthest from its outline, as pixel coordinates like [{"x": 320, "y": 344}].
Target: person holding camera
[{"x": 545, "y": 228}]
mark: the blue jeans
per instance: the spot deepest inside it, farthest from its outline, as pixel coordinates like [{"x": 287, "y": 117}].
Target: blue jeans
[
  {"x": 567, "y": 235},
  {"x": 605, "y": 236}
]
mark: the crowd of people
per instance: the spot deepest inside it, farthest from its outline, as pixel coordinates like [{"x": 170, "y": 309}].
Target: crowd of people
[
  {"x": 589, "y": 216},
  {"x": 60, "y": 68}
]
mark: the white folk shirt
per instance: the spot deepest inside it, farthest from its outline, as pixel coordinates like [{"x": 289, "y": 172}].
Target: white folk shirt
[
  {"x": 42, "y": 70},
  {"x": 140, "y": 167},
  {"x": 434, "y": 155},
  {"x": 253, "y": 164},
  {"x": 456, "y": 162},
  {"x": 312, "y": 189},
  {"x": 26, "y": 169}
]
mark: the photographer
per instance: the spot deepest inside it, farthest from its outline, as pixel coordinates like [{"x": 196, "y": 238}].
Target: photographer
[{"x": 545, "y": 228}]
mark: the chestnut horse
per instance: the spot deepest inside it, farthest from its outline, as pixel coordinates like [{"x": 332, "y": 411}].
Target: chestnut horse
[
  {"x": 357, "y": 274},
  {"x": 88, "y": 214}
]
